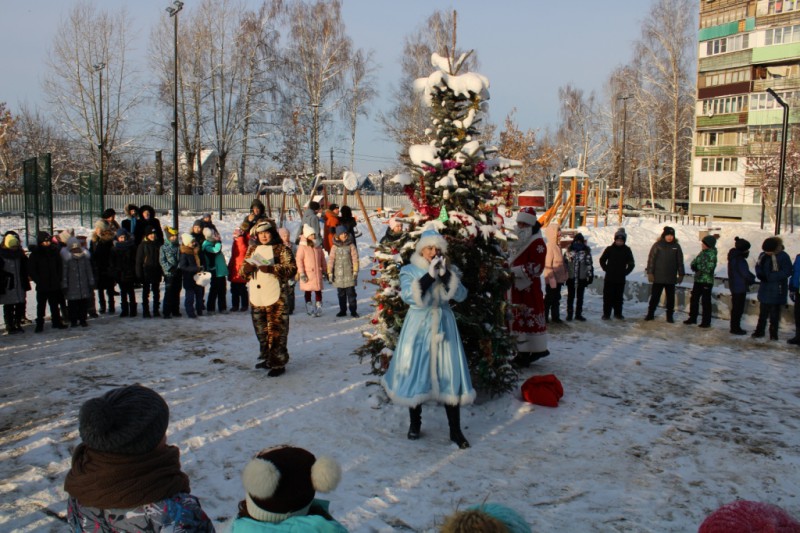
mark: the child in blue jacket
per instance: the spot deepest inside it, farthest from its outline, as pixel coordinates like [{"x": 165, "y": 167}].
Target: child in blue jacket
[
  {"x": 773, "y": 269},
  {"x": 739, "y": 280}
]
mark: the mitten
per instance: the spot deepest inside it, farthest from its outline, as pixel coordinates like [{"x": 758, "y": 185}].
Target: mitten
[
  {"x": 651, "y": 278},
  {"x": 442, "y": 266},
  {"x": 434, "y": 267},
  {"x": 249, "y": 268},
  {"x": 330, "y": 276},
  {"x": 267, "y": 269},
  {"x": 680, "y": 279},
  {"x": 589, "y": 280},
  {"x": 303, "y": 278}
]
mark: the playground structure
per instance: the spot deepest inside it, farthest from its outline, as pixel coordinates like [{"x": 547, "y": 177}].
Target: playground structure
[
  {"x": 350, "y": 181},
  {"x": 576, "y": 200},
  {"x": 287, "y": 188}
]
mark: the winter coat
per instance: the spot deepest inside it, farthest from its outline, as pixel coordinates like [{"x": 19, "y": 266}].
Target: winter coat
[
  {"x": 311, "y": 218},
  {"x": 15, "y": 282},
  {"x": 794, "y": 283},
  {"x": 739, "y": 275},
  {"x": 579, "y": 262},
  {"x": 142, "y": 224},
  {"x": 168, "y": 258},
  {"x": 311, "y": 263},
  {"x": 617, "y": 262},
  {"x": 665, "y": 262},
  {"x": 311, "y": 523},
  {"x": 45, "y": 267},
  {"x": 122, "y": 265},
  {"x": 100, "y": 248},
  {"x": 429, "y": 361},
  {"x": 180, "y": 513},
  {"x": 347, "y": 220},
  {"x": 251, "y": 217},
  {"x": 331, "y": 221},
  {"x": 189, "y": 264},
  {"x": 773, "y": 272},
  {"x": 343, "y": 263},
  {"x": 555, "y": 271},
  {"x": 77, "y": 278},
  {"x": 238, "y": 249},
  {"x": 214, "y": 259},
  {"x": 148, "y": 265},
  {"x": 285, "y": 270},
  {"x": 704, "y": 266}
]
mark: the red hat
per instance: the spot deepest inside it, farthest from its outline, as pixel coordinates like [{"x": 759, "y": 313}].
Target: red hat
[
  {"x": 744, "y": 516},
  {"x": 527, "y": 215},
  {"x": 542, "y": 390}
]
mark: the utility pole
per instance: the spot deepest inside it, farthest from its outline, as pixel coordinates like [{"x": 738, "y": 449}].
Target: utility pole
[
  {"x": 624, "y": 132},
  {"x": 101, "y": 145},
  {"x": 331, "y": 174},
  {"x": 173, "y": 11}
]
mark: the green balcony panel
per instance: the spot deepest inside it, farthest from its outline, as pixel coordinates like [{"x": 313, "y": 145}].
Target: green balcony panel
[
  {"x": 742, "y": 58},
  {"x": 771, "y": 117},
  {"x": 715, "y": 32},
  {"x": 768, "y": 54},
  {"x": 717, "y": 150},
  {"x": 718, "y": 120}
]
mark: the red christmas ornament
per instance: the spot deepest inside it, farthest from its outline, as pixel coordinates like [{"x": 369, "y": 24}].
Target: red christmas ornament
[
  {"x": 389, "y": 312},
  {"x": 373, "y": 271},
  {"x": 380, "y": 307},
  {"x": 374, "y": 321}
]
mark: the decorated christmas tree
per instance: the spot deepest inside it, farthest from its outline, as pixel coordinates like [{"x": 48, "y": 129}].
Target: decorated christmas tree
[{"x": 455, "y": 186}]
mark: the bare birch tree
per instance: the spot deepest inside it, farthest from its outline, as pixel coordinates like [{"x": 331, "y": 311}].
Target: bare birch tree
[
  {"x": 360, "y": 91},
  {"x": 316, "y": 59},
  {"x": 86, "y": 40},
  {"x": 666, "y": 55}
]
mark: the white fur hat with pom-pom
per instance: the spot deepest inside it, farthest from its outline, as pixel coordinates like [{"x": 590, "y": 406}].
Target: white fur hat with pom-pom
[{"x": 281, "y": 482}]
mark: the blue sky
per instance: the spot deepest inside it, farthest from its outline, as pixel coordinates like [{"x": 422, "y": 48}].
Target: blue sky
[{"x": 527, "y": 49}]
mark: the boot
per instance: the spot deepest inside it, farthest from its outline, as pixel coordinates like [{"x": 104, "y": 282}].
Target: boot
[
  {"x": 124, "y": 307},
  {"x": 156, "y": 312},
  {"x": 454, "y": 420},
  {"x": 415, "y": 413},
  {"x": 309, "y": 308},
  {"x": 132, "y": 308},
  {"x": 569, "y": 315},
  {"x": 111, "y": 308},
  {"x": 101, "y": 307},
  {"x": 318, "y": 309},
  {"x": 651, "y": 314},
  {"x": 690, "y": 321},
  {"x": 58, "y": 323},
  {"x": 773, "y": 333},
  {"x": 669, "y": 317},
  {"x": 146, "y": 310},
  {"x": 39, "y": 325}
]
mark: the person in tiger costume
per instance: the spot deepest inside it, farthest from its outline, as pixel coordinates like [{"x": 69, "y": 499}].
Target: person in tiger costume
[{"x": 268, "y": 266}]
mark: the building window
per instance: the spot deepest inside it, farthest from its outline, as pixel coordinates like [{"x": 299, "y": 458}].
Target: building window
[
  {"x": 785, "y": 35},
  {"x": 717, "y": 194},
  {"x": 728, "y": 44},
  {"x": 719, "y": 164},
  {"x": 765, "y": 134},
  {"x": 716, "y": 18},
  {"x": 724, "y": 78},
  {"x": 763, "y": 101},
  {"x": 729, "y": 104},
  {"x": 781, "y": 6}
]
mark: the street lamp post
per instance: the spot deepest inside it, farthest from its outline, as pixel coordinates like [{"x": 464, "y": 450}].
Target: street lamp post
[
  {"x": 782, "y": 168},
  {"x": 173, "y": 11},
  {"x": 101, "y": 145},
  {"x": 624, "y": 133}
]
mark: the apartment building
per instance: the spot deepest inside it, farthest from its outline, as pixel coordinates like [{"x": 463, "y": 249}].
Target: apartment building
[{"x": 744, "y": 48}]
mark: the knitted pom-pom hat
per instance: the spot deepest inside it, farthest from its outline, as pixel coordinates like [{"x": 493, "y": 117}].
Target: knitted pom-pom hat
[
  {"x": 281, "y": 482},
  {"x": 745, "y": 516}
]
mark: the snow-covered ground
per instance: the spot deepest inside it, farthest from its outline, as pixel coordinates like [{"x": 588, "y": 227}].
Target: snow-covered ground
[{"x": 659, "y": 424}]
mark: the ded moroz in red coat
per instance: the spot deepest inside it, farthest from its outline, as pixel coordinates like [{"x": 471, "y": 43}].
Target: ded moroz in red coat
[{"x": 527, "y": 263}]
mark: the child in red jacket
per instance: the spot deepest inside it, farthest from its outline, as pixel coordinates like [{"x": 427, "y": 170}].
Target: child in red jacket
[{"x": 239, "y": 300}]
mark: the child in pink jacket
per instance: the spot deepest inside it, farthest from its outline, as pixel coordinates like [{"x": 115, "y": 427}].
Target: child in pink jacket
[
  {"x": 555, "y": 273},
  {"x": 311, "y": 268}
]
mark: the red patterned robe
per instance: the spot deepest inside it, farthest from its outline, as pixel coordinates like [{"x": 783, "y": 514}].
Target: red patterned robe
[{"x": 527, "y": 263}]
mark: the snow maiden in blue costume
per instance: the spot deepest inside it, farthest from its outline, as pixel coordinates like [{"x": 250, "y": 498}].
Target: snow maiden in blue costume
[{"x": 429, "y": 361}]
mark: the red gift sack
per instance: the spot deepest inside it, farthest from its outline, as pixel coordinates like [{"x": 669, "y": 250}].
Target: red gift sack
[{"x": 542, "y": 390}]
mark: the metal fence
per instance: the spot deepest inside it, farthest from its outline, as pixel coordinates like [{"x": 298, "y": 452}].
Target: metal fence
[{"x": 14, "y": 204}]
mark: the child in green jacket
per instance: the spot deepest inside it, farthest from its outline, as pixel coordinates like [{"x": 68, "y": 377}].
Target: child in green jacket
[{"x": 703, "y": 266}]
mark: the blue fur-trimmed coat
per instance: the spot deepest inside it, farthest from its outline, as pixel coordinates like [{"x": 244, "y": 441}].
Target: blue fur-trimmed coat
[{"x": 429, "y": 361}]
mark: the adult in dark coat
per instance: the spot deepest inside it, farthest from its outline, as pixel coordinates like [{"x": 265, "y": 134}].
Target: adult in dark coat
[
  {"x": 147, "y": 218},
  {"x": 739, "y": 280},
  {"x": 257, "y": 212},
  {"x": 773, "y": 270},
  {"x": 122, "y": 268},
  {"x": 44, "y": 269},
  {"x": 617, "y": 262},
  {"x": 100, "y": 245},
  {"x": 347, "y": 220},
  {"x": 148, "y": 271},
  {"x": 664, "y": 270},
  {"x": 129, "y": 223}
]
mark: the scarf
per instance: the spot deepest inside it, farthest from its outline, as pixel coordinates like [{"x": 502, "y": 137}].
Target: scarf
[
  {"x": 111, "y": 481},
  {"x": 191, "y": 250}
]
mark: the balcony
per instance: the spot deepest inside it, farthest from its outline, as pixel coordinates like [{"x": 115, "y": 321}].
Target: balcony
[
  {"x": 778, "y": 84},
  {"x": 720, "y": 150}
]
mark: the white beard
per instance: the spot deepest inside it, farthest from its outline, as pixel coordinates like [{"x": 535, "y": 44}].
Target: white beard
[{"x": 523, "y": 238}]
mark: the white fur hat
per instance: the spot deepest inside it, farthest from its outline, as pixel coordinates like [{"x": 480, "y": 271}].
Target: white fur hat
[
  {"x": 431, "y": 237},
  {"x": 187, "y": 239},
  {"x": 281, "y": 482},
  {"x": 208, "y": 233},
  {"x": 308, "y": 231}
]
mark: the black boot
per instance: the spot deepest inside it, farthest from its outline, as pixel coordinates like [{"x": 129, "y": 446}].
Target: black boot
[
  {"x": 39, "y": 325},
  {"x": 669, "y": 317},
  {"x": 651, "y": 314},
  {"x": 124, "y": 307},
  {"x": 773, "y": 333},
  {"x": 454, "y": 420},
  {"x": 132, "y": 308},
  {"x": 156, "y": 312},
  {"x": 146, "y": 310},
  {"x": 569, "y": 315},
  {"x": 111, "y": 308},
  {"x": 415, "y": 413}
]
